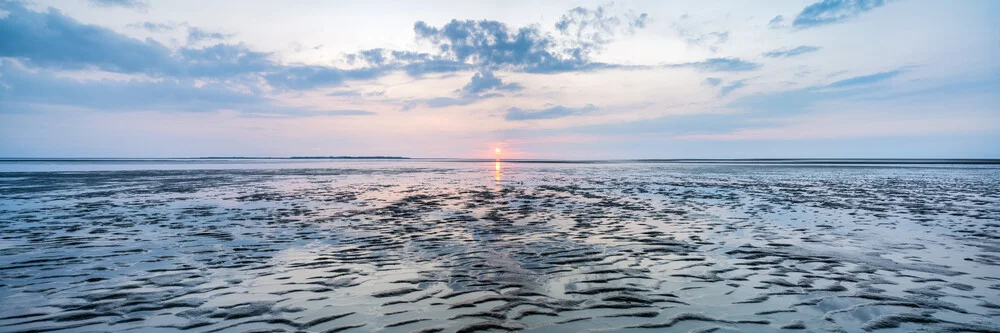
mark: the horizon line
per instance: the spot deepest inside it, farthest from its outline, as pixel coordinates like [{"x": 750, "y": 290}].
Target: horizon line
[{"x": 803, "y": 160}]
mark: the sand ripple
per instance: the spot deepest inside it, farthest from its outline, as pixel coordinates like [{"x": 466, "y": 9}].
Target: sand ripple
[{"x": 570, "y": 248}]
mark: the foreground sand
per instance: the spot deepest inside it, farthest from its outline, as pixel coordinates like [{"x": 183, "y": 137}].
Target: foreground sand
[{"x": 463, "y": 247}]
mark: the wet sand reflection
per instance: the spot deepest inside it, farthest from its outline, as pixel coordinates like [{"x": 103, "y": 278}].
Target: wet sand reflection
[{"x": 496, "y": 166}]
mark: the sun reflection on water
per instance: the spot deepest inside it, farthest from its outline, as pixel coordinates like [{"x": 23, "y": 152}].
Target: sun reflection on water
[{"x": 496, "y": 166}]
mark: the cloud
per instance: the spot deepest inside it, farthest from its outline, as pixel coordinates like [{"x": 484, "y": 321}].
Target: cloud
[
  {"x": 776, "y": 22},
  {"x": 799, "y": 100},
  {"x": 344, "y": 93},
  {"x": 712, "y": 81},
  {"x": 485, "y": 81},
  {"x": 418, "y": 69},
  {"x": 27, "y": 90},
  {"x": 381, "y": 57},
  {"x": 196, "y": 35},
  {"x": 493, "y": 45},
  {"x": 44, "y": 87},
  {"x": 594, "y": 28},
  {"x": 140, "y": 5},
  {"x": 292, "y": 112},
  {"x": 668, "y": 125},
  {"x": 730, "y": 87},
  {"x": 157, "y": 26},
  {"x": 833, "y": 11},
  {"x": 484, "y": 85},
  {"x": 711, "y": 40},
  {"x": 415, "y": 64},
  {"x": 51, "y": 39},
  {"x": 221, "y": 61},
  {"x": 43, "y": 39},
  {"x": 865, "y": 79},
  {"x": 591, "y": 24},
  {"x": 441, "y": 102},
  {"x": 309, "y": 77},
  {"x": 559, "y": 111},
  {"x": 694, "y": 36},
  {"x": 344, "y": 113},
  {"x": 719, "y": 65},
  {"x": 231, "y": 76},
  {"x": 352, "y": 93},
  {"x": 786, "y": 53}
]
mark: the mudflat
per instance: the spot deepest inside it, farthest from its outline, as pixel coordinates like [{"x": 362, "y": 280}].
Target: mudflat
[{"x": 410, "y": 246}]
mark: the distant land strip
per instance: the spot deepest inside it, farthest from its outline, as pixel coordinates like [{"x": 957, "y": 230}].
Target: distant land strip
[
  {"x": 306, "y": 158},
  {"x": 787, "y": 161},
  {"x": 351, "y": 157}
]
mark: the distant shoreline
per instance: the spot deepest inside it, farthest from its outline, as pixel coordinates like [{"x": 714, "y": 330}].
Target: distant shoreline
[
  {"x": 309, "y": 158},
  {"x": 789, "y": 161}
]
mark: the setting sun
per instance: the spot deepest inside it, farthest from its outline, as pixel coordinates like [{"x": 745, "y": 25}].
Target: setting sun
[{"x": 497, "y": 150}]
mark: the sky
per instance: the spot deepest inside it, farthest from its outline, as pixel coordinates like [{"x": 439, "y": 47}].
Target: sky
[{"x": 538, "y": 79}]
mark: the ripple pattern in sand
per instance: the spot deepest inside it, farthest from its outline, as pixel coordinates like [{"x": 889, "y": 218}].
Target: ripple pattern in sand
[{"x": 601, "y": 248}]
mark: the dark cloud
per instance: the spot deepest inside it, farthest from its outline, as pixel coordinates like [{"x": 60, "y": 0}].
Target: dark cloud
[
  {"x": 415, "y": 64},
  {"x": 51, "y": 39},
  {"x": 140, "y": 5},
  {"x": 418, "y": 69},
  {"x": 483, "y": 85},
  {"x": 833, "y": 11},
  {"x": 380, "y": 57},
  {"x": 222, "y": 61},
  {"x": 485, "y": 81},
  {"x": 786, "y": 53},
  {"x": 493, "y": 45},
  {"x": 720, "y": 65},
  {"x": 559, "y": 111},
  {"x": 44, "y": 39},
  {"x": 309, "y": 77}
]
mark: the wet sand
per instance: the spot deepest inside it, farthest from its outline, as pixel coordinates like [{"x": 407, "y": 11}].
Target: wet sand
[{"x": 469, "y": 247}]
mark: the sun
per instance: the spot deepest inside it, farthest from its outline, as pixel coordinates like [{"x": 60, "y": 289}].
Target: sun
[{"x": 497, "y": 151}]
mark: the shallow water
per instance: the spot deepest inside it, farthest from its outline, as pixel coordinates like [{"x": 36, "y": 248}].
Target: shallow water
[{"x": 402, "y": 246}]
